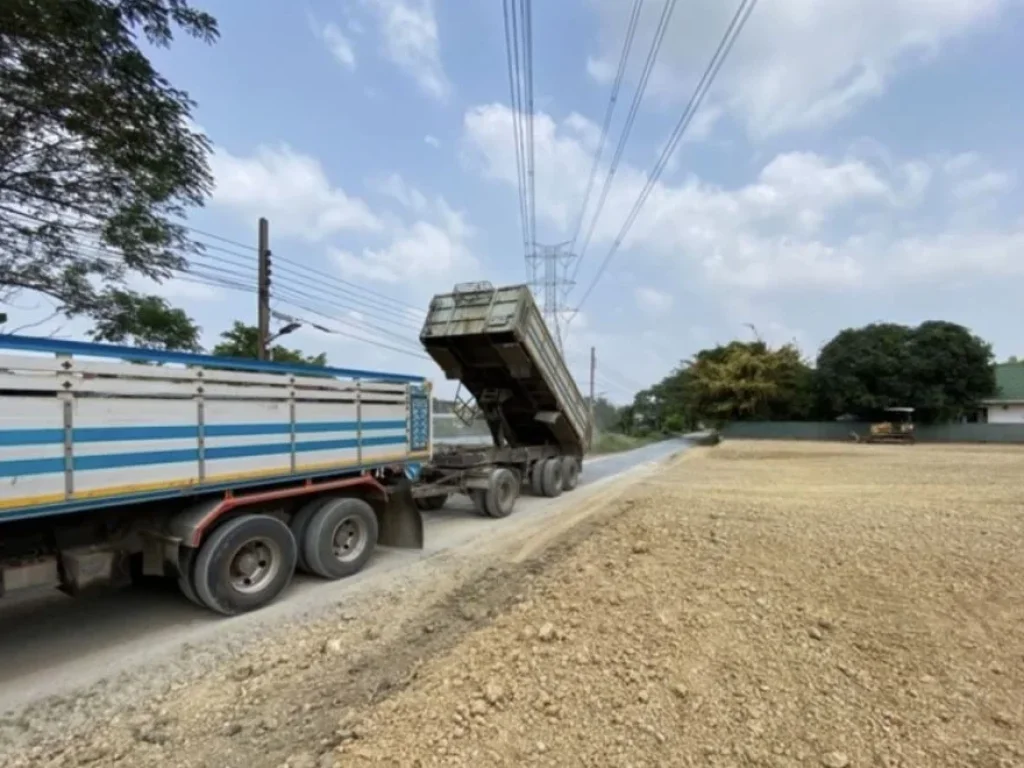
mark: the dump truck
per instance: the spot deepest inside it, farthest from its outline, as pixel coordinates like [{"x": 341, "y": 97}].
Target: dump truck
[
  {"x": 495, "y": 343},
  {"x": 229, "y": 475}
]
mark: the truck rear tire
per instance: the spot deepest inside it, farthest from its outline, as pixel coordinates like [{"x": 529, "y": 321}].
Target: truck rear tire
[
  {"x": 537, "y": 477},
  {"x": 551, "y": 477},
  {"x": 502, "y": 492},
  {"x": 479, "y": 499},
  {"x": 432, "y": 503},
  {"x": 340, "y": 538},
  {"x": 186, "y": 575},
  {"x": 244, "y": 564},
  {"x": 570, "y": 473},
  {"x": 299, "y": 524}
]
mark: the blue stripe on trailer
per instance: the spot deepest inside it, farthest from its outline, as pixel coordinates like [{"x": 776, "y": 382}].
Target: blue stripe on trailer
[
  {"x": 23, "y": 467},
  {"x": 15, "y": 437},
  {"x": 112, "y": 351},
  {"x": 81, "y": 505}
]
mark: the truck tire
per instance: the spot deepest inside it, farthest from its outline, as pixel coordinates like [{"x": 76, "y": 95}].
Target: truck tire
[
  {"x": 537, "y": 477},
  {"x": 570, "y": 473},
  {"x": 502, "y": 492},
  {"x": 244, "y": 564},
  {"x": 186, "y": 575},
  {"x": 479, "y": 499},
  {"x": 340, "y": 538},
  {"x": 299, "y": 524},
  {"x": 551, "y": 477},
  {"x": 432, "y": 503}
]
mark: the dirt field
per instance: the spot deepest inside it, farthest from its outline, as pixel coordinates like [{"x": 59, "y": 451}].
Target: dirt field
[{"x": 760, "y": 604}]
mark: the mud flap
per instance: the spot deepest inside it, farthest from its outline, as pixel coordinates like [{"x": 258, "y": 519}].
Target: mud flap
[{"x": 401, "y": 524}]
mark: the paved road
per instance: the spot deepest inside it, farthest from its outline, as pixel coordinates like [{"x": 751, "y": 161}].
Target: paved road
[{"x": 52, "y": 644}]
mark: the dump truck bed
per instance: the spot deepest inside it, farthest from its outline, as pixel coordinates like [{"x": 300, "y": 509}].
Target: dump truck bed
[{"x": 496, "y": 343}]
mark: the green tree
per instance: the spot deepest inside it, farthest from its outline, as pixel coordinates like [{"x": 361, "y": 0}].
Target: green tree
[
  {"x": 96, "y": 154},
  {"x": 144, "y": 321},
  {"x": 243, "y": 341},
  {"x": 939, "y": 368},
  {"x": 749, "y": 380}
]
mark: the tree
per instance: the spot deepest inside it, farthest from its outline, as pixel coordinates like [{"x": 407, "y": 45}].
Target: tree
[
  {"x": 939, "y": 368},
  {"x": 749, "y": 380},
  {"x": 243, "y": 341},
  {"x": 144, "y": 321},
  {"x": 96, "y": 153}
]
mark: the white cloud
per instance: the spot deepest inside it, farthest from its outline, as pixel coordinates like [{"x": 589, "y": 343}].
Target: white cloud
[
  {"x": 339, "y": 45},
  {"x": 431, "y": 141},
  {"x": 805, "y": 220},
  {"x": 289, "y": 188},
  {"x": 396, "y": 187},
  {"x": 652, "y": 301},
  {"x": 410, "y": 40},
  {"x": 797, "y": 63},
  {"x": 428, "y": 252}
]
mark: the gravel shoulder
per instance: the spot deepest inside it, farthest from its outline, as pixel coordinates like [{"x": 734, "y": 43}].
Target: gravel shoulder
[{"x": 754, "y": 604}]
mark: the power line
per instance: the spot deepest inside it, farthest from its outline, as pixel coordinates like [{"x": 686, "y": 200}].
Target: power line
[
  {"x": 627, "y": 126},
  {"x": 509, "y": 9},
  {"x": 531, "y": 168},
  {"x": 333, "y": 278},
  {"x": 733, "y": 31},
  {"x": 634, "y": 17}
]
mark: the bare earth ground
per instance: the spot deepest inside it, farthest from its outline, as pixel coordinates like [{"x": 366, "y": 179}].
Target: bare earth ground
[{"x": 757, "y": 604}]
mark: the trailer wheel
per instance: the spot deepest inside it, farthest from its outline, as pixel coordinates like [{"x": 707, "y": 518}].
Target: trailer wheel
[
  {"x": 244, "y": 564},
  {"x": 537, "y": 477},
  {"x": 551, "y": 477},
  {"x": 570, "y": 473},
  {"x": 432, "y": 503},
  {"x": 299, "y": 524},
  {"x": 502, "y": 492},
  {"x": 340, "y": 538},
  {"x": 479, "y": 499},
  {"x": 186, "y": 575}
]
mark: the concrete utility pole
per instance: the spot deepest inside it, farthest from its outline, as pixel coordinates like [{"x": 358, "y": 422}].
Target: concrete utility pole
[
  {"x": 593, "y": 370},
  {"x": 263, "y": 291}
]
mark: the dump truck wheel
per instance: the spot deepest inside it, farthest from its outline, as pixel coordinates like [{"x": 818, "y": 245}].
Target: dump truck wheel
[
  {"x": 432, "y": 503},
  {"x": 244, "y": 564},
  {"x": 340, "y": 538},
  {"x": 479, "y": 499},
  {"x": 299, "y": 524},
  {"x": 570, "y": 473},
  {"x": 502, "y": 493},
  {"x": 551, "y": 477},
  {"x": 537, "y": 478}
]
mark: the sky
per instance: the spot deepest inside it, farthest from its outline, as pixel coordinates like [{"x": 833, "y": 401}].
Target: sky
[{"x": 855, "y": 161}]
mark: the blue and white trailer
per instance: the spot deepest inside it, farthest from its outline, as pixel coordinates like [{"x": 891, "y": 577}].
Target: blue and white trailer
[{"x": 225, "y": 474}]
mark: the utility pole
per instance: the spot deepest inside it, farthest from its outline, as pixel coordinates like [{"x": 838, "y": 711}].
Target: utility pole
[
  {"x": 593, "y": 370},
  {"x": 263, "y": 291}
]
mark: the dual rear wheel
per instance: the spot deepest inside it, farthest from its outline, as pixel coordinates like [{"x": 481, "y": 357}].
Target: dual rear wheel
[{"x": 248, "y": 561}]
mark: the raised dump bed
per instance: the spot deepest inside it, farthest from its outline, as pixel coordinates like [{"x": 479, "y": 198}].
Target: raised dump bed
[{"x": 496, "y": 343}]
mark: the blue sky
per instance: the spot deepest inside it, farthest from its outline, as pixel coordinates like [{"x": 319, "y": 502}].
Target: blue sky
[{"x": 856, "y": 161}]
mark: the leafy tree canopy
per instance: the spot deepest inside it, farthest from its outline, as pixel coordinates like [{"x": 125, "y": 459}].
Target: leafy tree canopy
[
  {"x": 144, "y": 321},
  {"x": 243, "y": 341},
  {"x": 96, "y": 153},
  {"x": 941, "y": 369}
]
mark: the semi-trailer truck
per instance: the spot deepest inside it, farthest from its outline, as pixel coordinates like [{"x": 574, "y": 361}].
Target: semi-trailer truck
[{"x": 230, "y": 475}]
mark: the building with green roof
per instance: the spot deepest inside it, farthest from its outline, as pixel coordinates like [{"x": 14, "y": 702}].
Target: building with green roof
[{"x": 1007, "y": 407}]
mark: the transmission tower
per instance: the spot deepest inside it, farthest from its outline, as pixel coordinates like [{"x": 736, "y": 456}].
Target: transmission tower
[{"x": 549, "y": 268}]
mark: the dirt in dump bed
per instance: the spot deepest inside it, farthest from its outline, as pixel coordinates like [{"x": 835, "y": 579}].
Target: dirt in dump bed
[{"x": 763, "y": 604}]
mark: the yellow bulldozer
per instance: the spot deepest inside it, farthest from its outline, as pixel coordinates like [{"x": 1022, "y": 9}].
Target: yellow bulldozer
[{"x": 898, "y": 429}]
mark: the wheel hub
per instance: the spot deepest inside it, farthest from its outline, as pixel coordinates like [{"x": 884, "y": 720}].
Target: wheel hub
[
  {"x": 254, "y": 565},
  {"x": 348, "y": 539}
]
